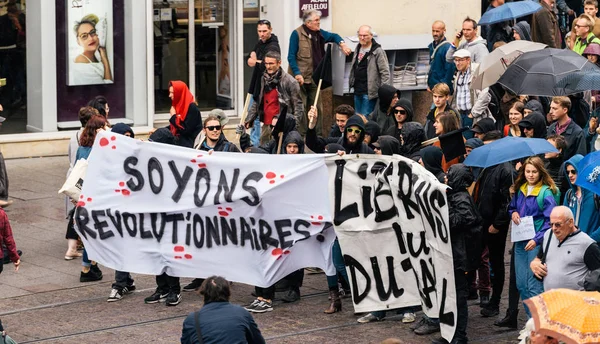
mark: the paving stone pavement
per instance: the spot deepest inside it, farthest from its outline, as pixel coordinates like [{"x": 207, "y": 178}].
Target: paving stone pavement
[{"x": 45, "y": 302}]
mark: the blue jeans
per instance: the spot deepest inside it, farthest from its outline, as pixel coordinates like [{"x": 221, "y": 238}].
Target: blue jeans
[
  {"x": 465, "y": 121},
  {"x": 527, "y": 284},
  {"x": 338, "y": 262},
  {"x": 363, "y": 105},
  {"x": 255, "y": 133},
  {"x": 85, "y": 261}
]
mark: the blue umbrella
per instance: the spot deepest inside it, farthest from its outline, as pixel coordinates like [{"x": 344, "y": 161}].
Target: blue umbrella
[
  {"x": 589, "y": 172},
  {"x": 508, "y": 149},
  {"x": 509, "y": 11},
  {"x": 580, "y": 81}
]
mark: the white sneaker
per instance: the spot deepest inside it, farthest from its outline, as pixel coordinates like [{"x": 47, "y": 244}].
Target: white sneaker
[
  {"x": 115, "y": 295},
  {"x": 408, "y": 317}
]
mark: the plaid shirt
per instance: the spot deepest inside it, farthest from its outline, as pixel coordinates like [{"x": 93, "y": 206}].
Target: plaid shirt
[
  {"x": 6, "y": 237},
  {"x": 462, "y": 92}
]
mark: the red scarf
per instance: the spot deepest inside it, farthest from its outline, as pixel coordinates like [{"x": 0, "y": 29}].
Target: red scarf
[{"x": 182, "y": 98}]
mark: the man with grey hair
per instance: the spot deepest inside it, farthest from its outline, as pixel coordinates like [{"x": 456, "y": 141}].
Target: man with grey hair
[
  {"x": 276, "y": 88},
  {"x": 370, "y": 70},
  {"x": 306, "y": 51},
  {"x": 567, "y": 254}
]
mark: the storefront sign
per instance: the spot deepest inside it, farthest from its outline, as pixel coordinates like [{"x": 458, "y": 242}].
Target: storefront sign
[
  {"x": 320, "y": 5},
  {"x": 151, "y": 208},
  {"x": 89, "y": 42},
  {"x": 391, "y": 219}
]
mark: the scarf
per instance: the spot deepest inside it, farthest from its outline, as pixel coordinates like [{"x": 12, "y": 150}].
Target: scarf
[
  {"x": 271, "y": 81},
  {"x": 182, "y": 98},
  {"x": 318, "y": 45}
]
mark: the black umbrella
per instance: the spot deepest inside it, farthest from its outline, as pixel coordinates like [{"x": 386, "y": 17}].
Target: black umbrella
[
  {"x": 536, "y": 73},
  {"x": 581, "y": 81}
]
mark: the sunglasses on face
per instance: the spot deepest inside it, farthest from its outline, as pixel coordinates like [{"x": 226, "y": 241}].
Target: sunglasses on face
[
  {"x": 213, "y": 127},
  {"x": 573, "y": 172},
  {"x": 402, "y": 112},
  {"x": 356, "y": 131}
]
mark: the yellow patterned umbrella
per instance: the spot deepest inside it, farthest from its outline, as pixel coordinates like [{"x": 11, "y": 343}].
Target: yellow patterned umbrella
[{"x": 568, "y": 315}]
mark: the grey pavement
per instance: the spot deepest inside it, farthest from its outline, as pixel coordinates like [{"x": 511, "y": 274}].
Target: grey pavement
[{"x": 45, "y": 302}]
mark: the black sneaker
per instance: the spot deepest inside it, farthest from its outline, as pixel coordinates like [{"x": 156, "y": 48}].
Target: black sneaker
[
  {"x": 427, "y": 328},
  {"x": 291, "y": 296},
  {"x": 90, "y": 276},
  {"x": 129, "y": 289},
  {"x": 484, "y": 300},
  {"x": 196, "y": 283},
  {"x": 173, "y": 299},
  {"x": 262, "y": 307},
  {"x": 418, "y": 324},
  {"x": 253, "y": 305},
  {"x": 115, "y": 295},
  {"x": 96, "y": 270},
  {"x": 490, "y": 311},
  {"x": 156, "y": 297}
]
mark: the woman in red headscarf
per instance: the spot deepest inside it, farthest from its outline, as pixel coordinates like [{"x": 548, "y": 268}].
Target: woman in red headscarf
[{"x": 186, "y": 120}]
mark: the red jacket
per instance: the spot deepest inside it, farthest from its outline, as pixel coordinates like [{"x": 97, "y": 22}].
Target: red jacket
[{"x": 6, "y": 237}]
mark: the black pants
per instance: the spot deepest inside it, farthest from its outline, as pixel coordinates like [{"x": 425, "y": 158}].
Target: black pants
[
  {"x": 3, "y": 179},
  {"x": 123, "y": 279},
  {"x": 513, "y": 292},
  {"x": 166, "y": 284},
  {"x": 265, "y": 293},
  {"x": 462, "y": 316},
  {"x": 496, "y": 244},
  {"x": 295, "y": 279}
]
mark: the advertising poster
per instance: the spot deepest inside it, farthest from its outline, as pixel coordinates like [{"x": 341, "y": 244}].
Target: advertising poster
[{"x": 89, "y": 42}]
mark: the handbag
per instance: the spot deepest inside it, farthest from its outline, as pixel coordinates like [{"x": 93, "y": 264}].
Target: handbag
[
  {"x": 74, "y": 183},
  {"x": 197, "y": 324}
]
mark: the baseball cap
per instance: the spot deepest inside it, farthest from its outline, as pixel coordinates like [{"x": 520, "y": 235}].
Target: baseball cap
[{"x": 462, "y": 53}]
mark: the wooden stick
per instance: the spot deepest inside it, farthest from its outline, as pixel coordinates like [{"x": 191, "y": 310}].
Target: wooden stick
[
  {"x": 280, "y": 142},
  {"x": 317, "y": 99},
  {"x": 245, "y": 112}
]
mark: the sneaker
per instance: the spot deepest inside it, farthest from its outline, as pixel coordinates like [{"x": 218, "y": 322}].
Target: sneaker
[
  {"x": 173, "y": 299},
  {"x": 96, "y": 270},
  {"x": 427, "y": 328},
  {"x": 369, "y": 318},
  {"x": 155, "y": 298},
  {"x": 408, "y": 317},
  {"x": 484, "y": 300},
  {"x": 129, "y": 289},
  {"x": 291, "y": 296},
  {"x": 418, "y": 324},
  {"x": 196, "y": 283},
  {"x": 253, "y": 305},
  {"x": 115, "y": 295},
  {"x": 90, "y": 276},
  {"x": 262, "y": 307}
]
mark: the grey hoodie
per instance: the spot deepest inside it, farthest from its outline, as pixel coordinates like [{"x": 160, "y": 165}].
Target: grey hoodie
[{"x": 477, "y": 48}]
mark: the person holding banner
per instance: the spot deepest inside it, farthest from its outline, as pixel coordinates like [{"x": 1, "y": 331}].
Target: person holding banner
[
  {"x": 276, "y": 88},
  {"x": 214, "y": 138},
  {"x": 536, "y": 195},
  {"x": 352, "y": 140},
  {"x": 90, "y": 271},
  {"x": 186, "y": 121}
]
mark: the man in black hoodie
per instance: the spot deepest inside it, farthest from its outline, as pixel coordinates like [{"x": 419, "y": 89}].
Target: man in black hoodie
[
  {"x": 388, "y": 96},
  {"x": 352, "y": 141},
  {"x": 402, "y": 113},
  {"x": 267, "y": 41}
]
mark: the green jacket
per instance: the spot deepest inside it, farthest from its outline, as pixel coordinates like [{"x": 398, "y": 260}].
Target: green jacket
[{"x": 580, "y": 44}]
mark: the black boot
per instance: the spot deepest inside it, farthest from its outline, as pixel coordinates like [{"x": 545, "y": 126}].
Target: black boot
[{"x": 510, "y": 320}]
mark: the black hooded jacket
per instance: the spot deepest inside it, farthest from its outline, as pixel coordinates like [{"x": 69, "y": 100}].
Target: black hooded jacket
[
  {"x": 294, "y": 137},
  {"x": 536, "y": 121},
  {"x": 432, "y": 160},
  {"x": 380, "y": 113},
  {"x": 222, "y": 146},
  {"x": 317, "y": 144},
  {"x": 413, "y": 135},
  {"x": 406, "y": 105},
  {"x": 372, "y": 128},
  {"x": 492, "y": 195},
  {"x": 486, "y": 125},
  {"x": 465, "y": 220},
  {"x": 261, "y": 48},
  {"x": 389, "y": 145}
]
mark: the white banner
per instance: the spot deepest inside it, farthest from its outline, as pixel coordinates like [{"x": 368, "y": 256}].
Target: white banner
[
  {"x": 391, "y": 219},
  {"x": 151, "y": 208}
]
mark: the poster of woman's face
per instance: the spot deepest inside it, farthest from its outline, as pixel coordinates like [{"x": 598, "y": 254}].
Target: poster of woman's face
[{"x": 89, "y": 42}]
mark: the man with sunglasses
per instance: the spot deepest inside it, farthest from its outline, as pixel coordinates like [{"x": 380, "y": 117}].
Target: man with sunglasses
[
  {"x": 267, "y": 41},
  {"x": 567, "y": 254},
  {"x": 215, "y": 140},
  {"x": 276, "y": 88},
  {"x": 582, "y": 202},
  {"x": 352, "y": 140}
]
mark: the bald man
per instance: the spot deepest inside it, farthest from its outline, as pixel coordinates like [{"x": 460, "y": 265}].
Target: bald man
[
  {"x": 440, "y": 70},
  {"x": 370, "y": 70},
  {"x": 567, "y": 254}
]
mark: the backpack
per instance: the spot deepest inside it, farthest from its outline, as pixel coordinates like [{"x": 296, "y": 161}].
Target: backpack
[{"x": 540, "y": 197}]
